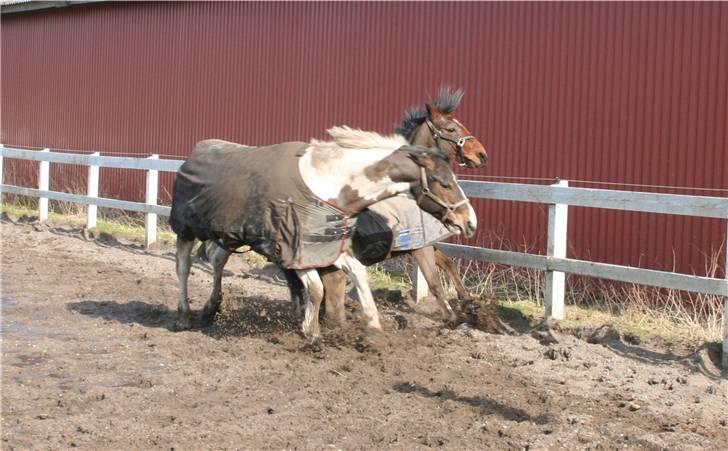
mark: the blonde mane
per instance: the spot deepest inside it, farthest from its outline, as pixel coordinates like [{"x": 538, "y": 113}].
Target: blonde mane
[{"x": 350, "y": 138}]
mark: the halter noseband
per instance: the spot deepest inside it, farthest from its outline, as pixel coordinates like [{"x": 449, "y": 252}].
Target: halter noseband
[
  {"x": 434, "y": 197},
  {"x": 459, "y": 142}
]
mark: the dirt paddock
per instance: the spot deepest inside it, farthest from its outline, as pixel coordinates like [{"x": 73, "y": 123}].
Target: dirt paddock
[{"x": 89, "y": 361}]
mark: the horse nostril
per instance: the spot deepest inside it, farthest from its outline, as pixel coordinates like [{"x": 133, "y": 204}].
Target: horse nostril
[{"x": 483, "y": 159}]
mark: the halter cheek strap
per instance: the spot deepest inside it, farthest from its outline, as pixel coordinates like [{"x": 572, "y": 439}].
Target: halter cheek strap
[
  {"x": 459, "y": 142},
  {"x": 448, "y": 207}
]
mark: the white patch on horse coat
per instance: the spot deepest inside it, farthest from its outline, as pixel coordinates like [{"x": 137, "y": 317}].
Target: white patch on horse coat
[{"x": 327, "y": 167}]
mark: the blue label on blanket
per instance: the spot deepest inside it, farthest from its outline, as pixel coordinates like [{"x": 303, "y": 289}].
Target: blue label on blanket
[{"x": 411, "y": 238}]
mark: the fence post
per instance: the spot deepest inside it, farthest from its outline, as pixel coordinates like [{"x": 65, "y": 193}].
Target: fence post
[
  {"x": 1, "y": 177},
  {"x": 724, "y": 360},
  {"x": 44, "y": 174},
  {"x": 92, "y": 191},
  {"x": 556, "y": 247},
  {"x": 419, "y": 284},
  {"x": 150, "y": 221}
]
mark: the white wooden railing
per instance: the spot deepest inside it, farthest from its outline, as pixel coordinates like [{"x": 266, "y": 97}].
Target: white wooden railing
[
  {"x": 94, "y": 161},
  {"x": 559, "y": 197}
]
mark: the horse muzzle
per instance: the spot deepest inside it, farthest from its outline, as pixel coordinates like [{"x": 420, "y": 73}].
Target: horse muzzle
[{"x": 459, "y": 226}]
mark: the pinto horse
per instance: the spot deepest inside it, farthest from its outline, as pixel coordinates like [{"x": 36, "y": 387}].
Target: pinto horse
[
  {"x": 431, "y": 125},
  {"x": 282, "y": 200}
]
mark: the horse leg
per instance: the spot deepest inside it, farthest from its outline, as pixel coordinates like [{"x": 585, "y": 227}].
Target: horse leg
[
  {"x": 183, "y": 261},
  {"x": 334, "y": 281},
  {"x": 202, "y": 253},
  {"x": 446, "y": 264},
  {"x": 358, "y": 274},
  {"x": 311, "y": 280},
  {"x": 425, "y": 258},
  {"x": 218, "y": 258},
  {"x": 296, "y": 290}
]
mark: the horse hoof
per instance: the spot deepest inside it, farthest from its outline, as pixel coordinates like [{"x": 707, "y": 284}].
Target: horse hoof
[
  {"x": 311, "y": 337},
  {"x": 374, "y": 324},
  {"x": 311, "y": 332},
  {"x": 182, "y": 324}
]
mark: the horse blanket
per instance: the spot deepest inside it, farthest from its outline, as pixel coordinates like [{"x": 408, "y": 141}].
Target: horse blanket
[
  {"x": 395, "y": 224},
  {"x": 239, "y": 195}
]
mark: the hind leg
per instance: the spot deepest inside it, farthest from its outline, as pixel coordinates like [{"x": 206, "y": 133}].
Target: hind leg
[
  {"x": 202, "y": 252},
  {"x": 315, "y": 287},
  {"x": 184, "y": 262},
  {"x": 218, "y": 259}
]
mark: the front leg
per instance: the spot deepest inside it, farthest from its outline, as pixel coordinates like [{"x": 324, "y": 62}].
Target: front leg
[
  {"x": 296, "y": 290},
  {"x": 311, "y": 280},
  {"x": 358, "y": 274},
  {"x": 446, "y": 264},
  {"x": 425, "y": 258}
]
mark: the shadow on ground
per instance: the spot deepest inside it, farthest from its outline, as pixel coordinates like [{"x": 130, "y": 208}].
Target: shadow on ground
[{"x": 486, "y": 405}]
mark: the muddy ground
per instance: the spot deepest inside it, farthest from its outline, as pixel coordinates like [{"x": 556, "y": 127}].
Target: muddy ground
[{"x": 89, "y": 360}]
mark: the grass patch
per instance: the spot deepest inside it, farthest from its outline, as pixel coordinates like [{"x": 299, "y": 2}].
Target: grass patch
[
  {"x": 119, "y": 225},
  {"x": 645, "y": 312},
  {"x": 380, "y": 278}
]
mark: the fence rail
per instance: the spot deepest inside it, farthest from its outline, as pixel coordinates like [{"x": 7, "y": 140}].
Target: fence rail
[{"x": 558, "y": 196}]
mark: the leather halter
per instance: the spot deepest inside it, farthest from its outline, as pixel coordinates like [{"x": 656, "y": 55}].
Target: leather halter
[
  {"x": 459, "y": 142},
  {"x": 448, "y": 207}
]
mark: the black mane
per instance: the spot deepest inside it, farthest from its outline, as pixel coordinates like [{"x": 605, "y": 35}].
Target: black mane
[{"x": 447, "y": 101}]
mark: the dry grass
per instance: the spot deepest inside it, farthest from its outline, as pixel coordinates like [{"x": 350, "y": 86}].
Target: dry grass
[
  {"x": 637, "y": 309},
  {"x": 116, "y": 223}
]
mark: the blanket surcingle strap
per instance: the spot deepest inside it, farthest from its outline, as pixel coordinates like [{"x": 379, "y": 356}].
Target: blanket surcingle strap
[{"x": 255, "y": 196}]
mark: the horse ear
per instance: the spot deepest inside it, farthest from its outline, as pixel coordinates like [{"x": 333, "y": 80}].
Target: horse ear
[{"x": 432, "y": 111}]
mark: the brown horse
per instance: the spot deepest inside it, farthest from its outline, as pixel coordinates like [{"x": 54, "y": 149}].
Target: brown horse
[{"x": 432, "y": 126}]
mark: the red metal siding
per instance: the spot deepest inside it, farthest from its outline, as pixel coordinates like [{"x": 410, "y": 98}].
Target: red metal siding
[{"x": 608, "y": 92}]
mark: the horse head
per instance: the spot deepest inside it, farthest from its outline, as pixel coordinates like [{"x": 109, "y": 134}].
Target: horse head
[
  {"x": 436, "y": 126},
  {"x": 436, "y": 189}
]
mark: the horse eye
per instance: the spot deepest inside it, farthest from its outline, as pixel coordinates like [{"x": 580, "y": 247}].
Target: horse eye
[
  {"x": 444, "y": 183},
  {"x": 451, "y": 128}
]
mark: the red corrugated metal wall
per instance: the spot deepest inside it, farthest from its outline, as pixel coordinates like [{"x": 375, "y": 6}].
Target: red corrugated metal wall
[{"x": 610, "y": 92}]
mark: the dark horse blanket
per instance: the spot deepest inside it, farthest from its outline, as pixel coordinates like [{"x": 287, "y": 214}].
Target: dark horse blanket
[{"x": 255, "y": 196}]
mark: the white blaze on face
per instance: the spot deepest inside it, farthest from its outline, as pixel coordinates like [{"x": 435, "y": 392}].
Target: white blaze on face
[
  {"x": 472, "y": 217},
  {"x": 327, "y": 170}
]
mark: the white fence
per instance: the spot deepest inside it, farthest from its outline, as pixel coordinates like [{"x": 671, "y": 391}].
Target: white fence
[{"x": 558, "y": 196}]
